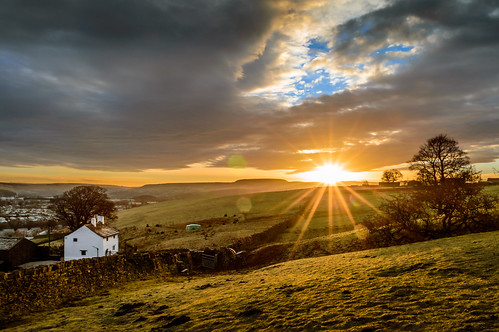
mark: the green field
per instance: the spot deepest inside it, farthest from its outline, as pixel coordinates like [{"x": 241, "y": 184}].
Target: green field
[
  {"x": 223, "y": 220},
  {"x": 493, "y": 190},
  {"x": 338, "y": 210},
  {"x": 183, "y": 211},
  {"x": 319, "y": 212}
]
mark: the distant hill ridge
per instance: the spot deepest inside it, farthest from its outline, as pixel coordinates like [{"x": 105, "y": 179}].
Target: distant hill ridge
[
  {"x": 180, "y": 190},
  {"x": 261, "y": 181},
  {"x": 161, "y": 190},
  {"x": 45, "y": 189}
]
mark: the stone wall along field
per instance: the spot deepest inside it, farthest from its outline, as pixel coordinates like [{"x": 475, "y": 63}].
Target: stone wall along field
[{"x": 46, "y": 287}]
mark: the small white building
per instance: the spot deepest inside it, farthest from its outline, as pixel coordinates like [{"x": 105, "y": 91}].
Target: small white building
[{"x": 91, "y": 240}]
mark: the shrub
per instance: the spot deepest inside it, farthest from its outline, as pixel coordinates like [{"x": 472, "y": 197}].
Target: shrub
[
  {"x": 445, "y": 204},
  {"x": 430, "y": 213}
]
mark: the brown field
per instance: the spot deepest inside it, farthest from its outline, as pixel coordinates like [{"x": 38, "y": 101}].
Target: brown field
[{"x": 443, "y": 285}]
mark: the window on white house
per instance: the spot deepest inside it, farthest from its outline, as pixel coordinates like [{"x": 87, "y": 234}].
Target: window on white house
[
  {"x": 83, "y": 252},
  {"x": 114, "y": 236},
  {"x": 107, "y": 239},
  {"x": 75, "y": 239},
  {"x": 114, "y": 247}
]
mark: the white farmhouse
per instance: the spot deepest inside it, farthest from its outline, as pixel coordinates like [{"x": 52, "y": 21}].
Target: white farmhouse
[{"x": 91, "y": 240}]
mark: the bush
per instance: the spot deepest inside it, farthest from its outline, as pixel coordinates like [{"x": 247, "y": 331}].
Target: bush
[
  {"x": 433, "y": 212},
  {"x": 446, "y": 203}
]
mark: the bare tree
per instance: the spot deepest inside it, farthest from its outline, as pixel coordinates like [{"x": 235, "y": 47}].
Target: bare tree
[
  {"x": 76, "y": 206},
  {"x": 447, "y": 204},
  {"x": 440, "y": 159},
  {"x": 391, "y": 175}
]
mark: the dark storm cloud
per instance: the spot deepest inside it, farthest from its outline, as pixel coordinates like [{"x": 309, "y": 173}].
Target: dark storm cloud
[
  {"x": 122, "y": 84},
  {"x": 466, "y": 23},
  {"x": 222, "y": 24}
]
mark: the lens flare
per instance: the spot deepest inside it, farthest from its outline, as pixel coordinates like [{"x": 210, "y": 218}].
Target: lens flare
[
  {"x": 244, "y": 204},
  {"x": 237, "y": 161}
]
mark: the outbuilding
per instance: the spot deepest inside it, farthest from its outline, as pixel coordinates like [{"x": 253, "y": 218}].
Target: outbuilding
[{"x": 16, "y": 251}]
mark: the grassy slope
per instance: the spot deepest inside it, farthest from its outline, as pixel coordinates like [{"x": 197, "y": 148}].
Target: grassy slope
[
  {"x": 348, "y": 206},
  {"x": 492, "y": 190},
  {"x": 190, "y": 190},
  {"x": 443, "y": 285},
  {"x": 338, "y": 211},
  {"x": 183, "y": 211},
  {"x": 172, "y": 216}
]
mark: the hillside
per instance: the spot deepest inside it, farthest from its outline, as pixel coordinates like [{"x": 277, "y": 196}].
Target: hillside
[
  {"x": 45, "y": 189},
  {"x": 318, "y": 212},
  {"x": 449, "y": 284},
  {"x": 163, "y": 191},
  {"x": 167, "y": 191},
  {"x": 223, "y": 219}
]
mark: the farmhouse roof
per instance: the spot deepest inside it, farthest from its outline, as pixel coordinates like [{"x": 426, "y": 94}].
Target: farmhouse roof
[
  {"x": 102, "y": 230},
  {"x": 7, "y": 243}
]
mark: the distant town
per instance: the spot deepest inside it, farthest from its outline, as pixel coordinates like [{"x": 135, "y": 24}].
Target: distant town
[{"x": 30, "y": 216}]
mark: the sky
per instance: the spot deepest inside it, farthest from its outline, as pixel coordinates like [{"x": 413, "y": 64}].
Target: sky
[{"x": 151, "y": 91}]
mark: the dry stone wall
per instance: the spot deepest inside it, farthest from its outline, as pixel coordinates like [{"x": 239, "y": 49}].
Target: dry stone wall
[
  {"x": 269, "y": 235},
  {"x": 46, "y": 287}
]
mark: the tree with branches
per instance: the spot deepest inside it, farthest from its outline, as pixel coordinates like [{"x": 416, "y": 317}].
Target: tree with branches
[
  {"x": 391, "y": 175},
  {"x": 439, "y": 160},
  {"x": 76, "y": 206},
  {"x": 449, "y": 202}
]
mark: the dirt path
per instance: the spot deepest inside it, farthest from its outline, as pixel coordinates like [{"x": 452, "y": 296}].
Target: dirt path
[{"x": 445, "y": 285}]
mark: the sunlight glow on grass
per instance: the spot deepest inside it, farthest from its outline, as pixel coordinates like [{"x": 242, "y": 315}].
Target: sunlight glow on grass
[
  {"x": 335, "y": 198},
  {"x": 311, "y": 208},
  {"x": 329, "y": 174}
]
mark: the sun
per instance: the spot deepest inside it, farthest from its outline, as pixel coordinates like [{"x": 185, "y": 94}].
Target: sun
[{"x": 329, "y": 174}]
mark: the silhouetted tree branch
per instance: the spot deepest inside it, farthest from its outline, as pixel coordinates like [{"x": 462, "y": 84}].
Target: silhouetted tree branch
[
  {"x": 76, "y": 206},
  {"x": 448, "y": 203},
  {"x": 391, "y": 175},
  {"x": 440, "y": 159}
]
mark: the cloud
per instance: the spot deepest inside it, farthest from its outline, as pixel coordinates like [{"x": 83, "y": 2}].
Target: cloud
[
  {"x": 123, "y": 84},
  {"x": 135, "y": 85},
  {"x": 449, "y": 86}
]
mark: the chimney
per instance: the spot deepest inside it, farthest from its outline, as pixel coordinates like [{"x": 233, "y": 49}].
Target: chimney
[
  {"x": 100, "y": 219},
  {"x": 93, "y": 221}
]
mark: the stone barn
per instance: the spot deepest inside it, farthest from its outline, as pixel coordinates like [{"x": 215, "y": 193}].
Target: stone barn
[{"x": 16, "y": 251}]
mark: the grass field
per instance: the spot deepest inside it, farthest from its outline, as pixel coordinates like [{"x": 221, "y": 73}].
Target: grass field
[
  {"x": 223, "y": 220},
  {"x": 335, "y": 210},
  {"x": 182, "y": 211},
  {"x": 326, "y": 211},
  {"x": 339, "y": 210},
  {"x": 448, "y": 284},
  {"x": 494, "y": 190}
]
